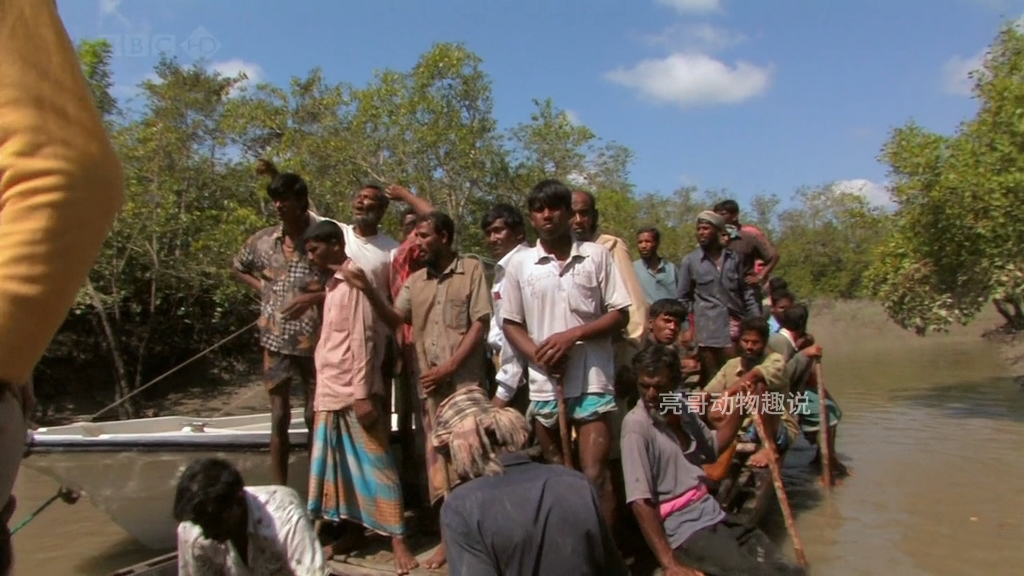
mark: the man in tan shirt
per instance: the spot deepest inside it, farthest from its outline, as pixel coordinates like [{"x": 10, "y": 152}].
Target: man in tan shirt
[
  {"x": 60, "y": 188},
  {"x": 449, "y": 308}
]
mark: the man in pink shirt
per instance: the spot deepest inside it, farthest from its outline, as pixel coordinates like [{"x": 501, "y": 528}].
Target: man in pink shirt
[{"x": 352, "y": 475}]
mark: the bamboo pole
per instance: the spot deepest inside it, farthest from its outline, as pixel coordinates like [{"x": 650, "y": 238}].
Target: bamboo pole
[
  {"x": 780, "y": 491},
  {"x": 563, "y": 422},
  {"x": 823, "y": 431}
]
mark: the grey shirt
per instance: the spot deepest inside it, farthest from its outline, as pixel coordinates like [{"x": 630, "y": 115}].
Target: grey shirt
[
  {"x": 656, "y": 467},
  {"x": 714, "y": 295},
  {"x": 533, "y": 519}
]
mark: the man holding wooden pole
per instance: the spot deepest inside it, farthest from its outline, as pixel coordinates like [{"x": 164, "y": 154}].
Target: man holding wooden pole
[{"x": 563, "y": 300}]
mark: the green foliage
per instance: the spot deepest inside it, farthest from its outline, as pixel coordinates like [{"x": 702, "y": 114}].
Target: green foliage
[
  {"x": 958, "y": 234},
  {"x": 161, "y": 290}
]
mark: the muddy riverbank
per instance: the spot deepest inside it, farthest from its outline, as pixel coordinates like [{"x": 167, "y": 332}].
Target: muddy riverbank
[{"x": 922, "y": 417}]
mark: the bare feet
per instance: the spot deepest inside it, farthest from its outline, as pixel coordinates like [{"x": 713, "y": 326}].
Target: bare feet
[
  {"x": 405, "y": 562},
  {"x": 760, "y": 459},
  {"x": 437, "y": 559}
]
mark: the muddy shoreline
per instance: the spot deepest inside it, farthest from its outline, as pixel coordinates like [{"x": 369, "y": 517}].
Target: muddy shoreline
[{"x": 234, "y": 387}]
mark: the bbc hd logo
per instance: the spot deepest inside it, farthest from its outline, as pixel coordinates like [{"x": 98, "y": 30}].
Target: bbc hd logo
[{"x": 200, "y": 44}]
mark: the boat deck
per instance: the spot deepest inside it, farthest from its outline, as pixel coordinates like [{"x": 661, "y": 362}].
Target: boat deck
[{"x": 377, "y": 560}]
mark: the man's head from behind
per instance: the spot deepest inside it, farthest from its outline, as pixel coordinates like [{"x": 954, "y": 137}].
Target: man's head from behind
[
  {"x": 794, "y": 319},
  {"x": 469, "y": 432},
  {"x": 665, "y": 320},
  {"x": 211, "y": 495}
]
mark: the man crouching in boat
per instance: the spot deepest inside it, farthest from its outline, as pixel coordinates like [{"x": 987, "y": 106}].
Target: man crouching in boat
[
  {"x": 510, "y": 515},
  {"x": 227, "y": 529},
  {"x": 761, "y": 372},
  {"x": 352, "y": 477},
  {"x": 662, "y": 454}
]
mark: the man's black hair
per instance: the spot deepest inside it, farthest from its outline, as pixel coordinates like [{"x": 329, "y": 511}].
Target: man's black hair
[
  {"x": 441, "y": 222},
  {"x": 289, "y": 186},
  {"x": 794, "y": 318},
  {"x": 727, "y": 206},
  {"x": 650, "y": 230},
  {"x": 326, "y": 231},
  {"x": 501, "y": 211},
  {"x": 755, "y": 324},
  {"x": 777, "y": 283},
  {"x": 670, "y": 307},
  {"x": 549, "y": 194},
  {"x": 655, "y": 358},
  {"x": 780, "y": 295},
  {"x": 207, "y": 487}
]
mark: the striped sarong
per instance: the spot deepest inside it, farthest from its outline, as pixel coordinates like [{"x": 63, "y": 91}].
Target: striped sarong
[{"x": 352, "y": 474}]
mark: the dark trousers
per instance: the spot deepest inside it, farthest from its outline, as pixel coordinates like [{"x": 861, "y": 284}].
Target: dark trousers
[
  {"x": 732, "y": 549},
  {"x": 712, "y": 360}
]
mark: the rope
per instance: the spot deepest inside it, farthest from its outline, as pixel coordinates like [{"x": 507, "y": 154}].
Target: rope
[
  {"x": 69, "y": 496},
  {"x": 171, "y": 371}
]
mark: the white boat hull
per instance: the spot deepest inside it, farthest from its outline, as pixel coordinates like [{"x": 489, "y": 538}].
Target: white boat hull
[{"x": 130, "y": 469}]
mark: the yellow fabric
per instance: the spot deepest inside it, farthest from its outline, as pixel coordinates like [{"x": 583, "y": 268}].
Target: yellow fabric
[
  {"x": 624, "y": 265},
  {"x": 60, "y": 181},
  {"x": 773, "y": 369}
]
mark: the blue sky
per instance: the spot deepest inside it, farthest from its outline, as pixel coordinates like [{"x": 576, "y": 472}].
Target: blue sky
[{"x": 756, "y": 96}]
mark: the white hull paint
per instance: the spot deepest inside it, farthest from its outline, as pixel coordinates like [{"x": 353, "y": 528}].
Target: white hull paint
[{"x": 129, "y": 469}]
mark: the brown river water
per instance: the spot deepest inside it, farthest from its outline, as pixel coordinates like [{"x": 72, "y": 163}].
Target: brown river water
[{"x": 933, "y": 429}]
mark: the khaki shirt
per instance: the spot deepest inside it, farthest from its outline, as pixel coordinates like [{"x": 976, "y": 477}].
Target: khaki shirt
[
  {"x": 773, "y": 369},
  {"x": 441, "y": 307}
]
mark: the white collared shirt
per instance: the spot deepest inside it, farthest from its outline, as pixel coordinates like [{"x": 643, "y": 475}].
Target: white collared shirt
[
  {"x": 510, "y": 371},
  {"x": 549, "y": 298}
]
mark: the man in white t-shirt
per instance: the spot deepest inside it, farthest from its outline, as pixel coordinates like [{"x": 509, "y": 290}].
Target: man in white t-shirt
[
  {"x": 505, "y": 230},
  {"x": 562, "y": 301}
]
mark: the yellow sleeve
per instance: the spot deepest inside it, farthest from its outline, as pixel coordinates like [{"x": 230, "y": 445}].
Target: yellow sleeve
[
  {"x": 773, "y": 368},
  {"x": 638, "y": 306},
  {"x": 60, "y": 181}
]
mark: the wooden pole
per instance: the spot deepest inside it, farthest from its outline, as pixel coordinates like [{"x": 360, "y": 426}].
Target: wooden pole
[
  {"x": 823, "y": 432},
  {"x": 563, "y": 422},
  {"x": 780, "y": 491}
]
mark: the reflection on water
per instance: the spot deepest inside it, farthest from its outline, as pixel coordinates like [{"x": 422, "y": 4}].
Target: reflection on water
[{"x": 933, "y": 429}]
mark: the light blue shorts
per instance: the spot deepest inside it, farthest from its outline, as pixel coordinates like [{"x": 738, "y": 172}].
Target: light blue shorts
[{"x": 580, "y": 409}]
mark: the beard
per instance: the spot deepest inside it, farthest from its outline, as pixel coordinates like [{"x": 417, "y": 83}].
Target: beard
[
  {"x": 749, "y": 361},
  {"x": 366, "y": 220}
]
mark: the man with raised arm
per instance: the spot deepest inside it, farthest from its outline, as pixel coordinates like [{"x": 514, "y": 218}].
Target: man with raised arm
[
  {"x": 447, "y": 304},
  {"x": 274, "y": 263}
]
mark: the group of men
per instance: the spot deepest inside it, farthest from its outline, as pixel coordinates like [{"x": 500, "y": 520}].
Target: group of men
[{"x": 574, "y": 328}]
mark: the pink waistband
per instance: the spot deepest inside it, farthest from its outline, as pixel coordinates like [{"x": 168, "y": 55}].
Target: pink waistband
[{"x": 676, "y": 504}]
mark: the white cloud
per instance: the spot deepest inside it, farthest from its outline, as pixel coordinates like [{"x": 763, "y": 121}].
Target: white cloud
[
  {"x": 112, "y": 8},
  {"x": 698, "y": 6},
  {"x": 696, "y": 38},
  {"x": 956, "y": 71},
  {"x": 874, "y": 193},
  {"x": 692, "y": 79},
  {"x": 573, "y": 116},
  {"x": 236, "y": 66},
  {"x": 578, "y": 179}
]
